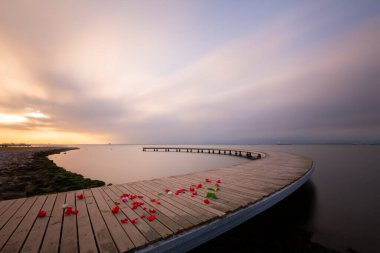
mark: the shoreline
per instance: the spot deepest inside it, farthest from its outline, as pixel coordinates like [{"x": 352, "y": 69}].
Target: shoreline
[{"x": 27, "y": 171}]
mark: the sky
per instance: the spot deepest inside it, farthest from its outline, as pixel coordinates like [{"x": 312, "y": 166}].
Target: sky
[{"x": 189, "y": 72}]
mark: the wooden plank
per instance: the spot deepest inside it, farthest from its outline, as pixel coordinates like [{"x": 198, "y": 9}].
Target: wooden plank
[
  {"x": 153, "y": 230},
  {"x": 12, "y": 224},
  {"x": 18, "y": 237},
  {"x": 232, "y": 199},
  {"x": 34, "y": 240},
  {"x": 181, "y": 215},
  {"x": 223, "y": 207},
  {"x": 182, "y": 223},
  {"x": 86, "y": 237},
  {"x": 53, "y": 231},
  {"x": 200, "y": 217},
  {"x": 69, "y": 236},
  {"x": 121, "y": 239},
  {"x": 5, "y": 204},
  {"x": 130, "y": 229},
  {"x": 163, "y": 218},
  {"x": 102, "y": 235},
  {"x": 209, "y": 212},
  {"x": 10, "y": 212}
]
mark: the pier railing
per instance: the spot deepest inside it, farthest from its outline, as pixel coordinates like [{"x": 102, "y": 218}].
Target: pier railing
[{"x": 218, "y": 151}]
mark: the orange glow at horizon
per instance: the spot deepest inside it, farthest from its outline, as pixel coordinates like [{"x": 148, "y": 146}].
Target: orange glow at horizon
[{"x": 49, "y": 136}]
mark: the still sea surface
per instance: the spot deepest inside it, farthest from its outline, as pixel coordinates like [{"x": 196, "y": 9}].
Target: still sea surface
[{"x": 343, "y": 209}]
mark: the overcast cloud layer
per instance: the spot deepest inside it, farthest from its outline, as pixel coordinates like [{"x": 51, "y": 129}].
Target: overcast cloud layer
[{"x": 189, "y": 71}]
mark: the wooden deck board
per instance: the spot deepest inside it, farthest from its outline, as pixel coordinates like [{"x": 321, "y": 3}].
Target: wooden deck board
[
  {"x": 102, "y": 235},
  {"x": 53, "y": 231},
  {"x": 85, "y": 232},
  {"x": 13, "y": 223},
  {"x": 69, "y": 237},
  {"x": 165, "y": 214},
  {"x": 15, "y": 243},
  {"x": 96, "y": 229},
  {"x": 121, "y": 239},
  {"x": 34, "y": 240}
]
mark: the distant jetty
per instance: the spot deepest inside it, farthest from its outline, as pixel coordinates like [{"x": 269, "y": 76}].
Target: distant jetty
[{"x": 6, "y": 145}]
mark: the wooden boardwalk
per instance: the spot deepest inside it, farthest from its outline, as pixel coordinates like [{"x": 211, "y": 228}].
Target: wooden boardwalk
[{"x": 179, "y": 217}]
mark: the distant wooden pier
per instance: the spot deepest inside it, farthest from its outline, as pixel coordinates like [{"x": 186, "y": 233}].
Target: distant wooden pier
[
  {"x": 182, "y": 219},
  {"x": 241, "y": 153}
]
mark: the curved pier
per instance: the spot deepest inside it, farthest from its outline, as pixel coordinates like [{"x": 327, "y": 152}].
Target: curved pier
[{"x": 182, "y": 219}]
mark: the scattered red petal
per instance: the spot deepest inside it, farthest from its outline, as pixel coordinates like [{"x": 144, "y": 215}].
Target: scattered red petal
[
  {"x": 151, "y": 218},
  {"x": 219, "y": 181},
  {"x": 115, "y": 209},
  {"x": 133, "y": 221},
  {"x": 208, "y": 180},
  {"x": 194, "y": 193},
  {"x": 217, "y": 185},
  {"x": 133, "y": 196},
  {"x": 206, "y": 201},
  {"x": 191, "y": 189},
  {"x": 153, "y": 200},
  {"x": 136, "y": 204},
  {"x": 192, "y": 196},
  {"x": 142, "y": 216},
  {"x": 74, "y": 212},
  {"x": 158, "y": 203},
  {"x": 180, "y": 191},
  {"x": 152, "y": 210},
  {"x": 199, "y": 186},
  {"x": 80, "y": 196},
  {"x": 125, "y": 195},
  {"x": 124, "y": 220},
  {"x": 41, "y": 213},
  {"x": 68, "y": 210},
  {"x": 117, "y": 203},
  {"x": 167, "y": 190},
  {"x": 144, "y": 208}
]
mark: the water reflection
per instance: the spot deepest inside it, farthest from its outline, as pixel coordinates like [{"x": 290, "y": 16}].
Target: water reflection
[{"x": 282, "y": 228}]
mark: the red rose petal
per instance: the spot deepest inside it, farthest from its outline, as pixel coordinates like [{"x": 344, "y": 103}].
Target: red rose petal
[
  {"x": 167, "y": 190},
  {"x": 68, "y": 210},
  {"x": 153, "y": 200},
  {"x": 151, "y": 218},
  {"x": 41, "y": 213},
  {"x": 217, "y": 185},
  {"x": 152, "y": 210},
  {"x": 133, "y": 221},
  {"x": 158, "y": 203},
  {"x": 124, "y": 220},
  {"x": 144, "y": 208},
  {"x": 208, "y": 180},
  {"x": 140, "y": 197},
  {"x": 117, "y": 203},
  {"x": 115, "y": 209},
  {"x": 142, "y": 216},
  {"x": 74, "y": 212},
  {"x": 218, "y": 181},
  {"x": 194, "y": 193},
  {"x": 191, "y": 189},
  {"x": 80, "y": 196},
  {"x": 206, "y": 201},
  {"x": 199, "y": 186}
]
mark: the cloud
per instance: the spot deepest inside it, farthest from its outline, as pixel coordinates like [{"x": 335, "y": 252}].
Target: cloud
[{"x": 131, "y": 73}]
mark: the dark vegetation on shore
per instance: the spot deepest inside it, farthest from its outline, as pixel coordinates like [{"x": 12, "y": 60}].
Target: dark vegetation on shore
[
  {"x": 39, "y": 175},
  {"x": 282, "y": 228},
  {"x": 58, "y": 178}
]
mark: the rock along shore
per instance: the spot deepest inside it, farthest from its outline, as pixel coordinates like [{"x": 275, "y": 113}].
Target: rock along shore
[{"x": 27, "y": 171}]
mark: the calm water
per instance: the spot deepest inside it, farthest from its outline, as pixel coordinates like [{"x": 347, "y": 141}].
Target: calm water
[{"x": 340, "y": 205}]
